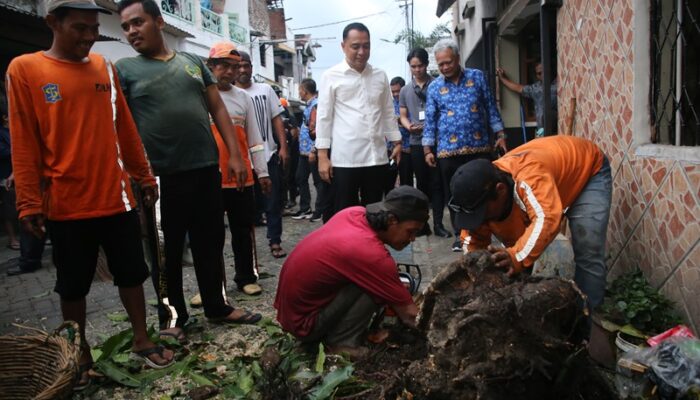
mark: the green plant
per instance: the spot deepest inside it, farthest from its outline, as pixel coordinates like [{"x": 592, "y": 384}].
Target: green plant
[{"x": 630, "y": 300}]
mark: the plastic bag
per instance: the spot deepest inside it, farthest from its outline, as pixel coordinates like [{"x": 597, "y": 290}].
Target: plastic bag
[{"x": 673, "y": 365}]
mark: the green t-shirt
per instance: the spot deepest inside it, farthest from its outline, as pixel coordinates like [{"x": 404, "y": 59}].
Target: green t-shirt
[{"x": 168, "y": 102}]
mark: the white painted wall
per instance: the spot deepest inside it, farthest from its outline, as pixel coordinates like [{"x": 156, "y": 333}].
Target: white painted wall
[{"x": 472, "y": 25}]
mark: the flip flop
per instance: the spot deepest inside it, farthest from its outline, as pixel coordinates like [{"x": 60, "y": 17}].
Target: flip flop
[
  {"x": 248, "y": 318},
  {"x": 13, "y": 246},
  {"x": 277, "y": 251},
  {"x": 142, "y": 355},
  {"x": 81, "y": 385},
  {"x": 179, "y": 336}
]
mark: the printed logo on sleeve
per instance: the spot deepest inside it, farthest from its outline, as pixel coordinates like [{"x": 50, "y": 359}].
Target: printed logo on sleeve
[
  {"x": 51, "y": 93},
  {"x": 193, "y": 71}
]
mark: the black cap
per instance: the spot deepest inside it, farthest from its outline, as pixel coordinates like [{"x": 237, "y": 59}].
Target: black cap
[
  {"x": 405, "y": 202},
  {"x": 471, "y": 186}
]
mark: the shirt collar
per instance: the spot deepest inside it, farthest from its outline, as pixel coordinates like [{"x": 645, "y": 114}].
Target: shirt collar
[
  {"x": 347, "y": 68},
  {"x": 427, "y": 82}
]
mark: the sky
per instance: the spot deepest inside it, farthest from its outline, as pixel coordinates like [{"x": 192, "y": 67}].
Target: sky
[{"x": 388, "y": 56}]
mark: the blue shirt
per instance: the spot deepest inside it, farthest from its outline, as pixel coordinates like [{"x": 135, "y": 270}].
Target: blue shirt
[
  {"x": 305, "y": 141},
  {"x": 455, "y": 115},
  {"x": 405, "y": 134}
]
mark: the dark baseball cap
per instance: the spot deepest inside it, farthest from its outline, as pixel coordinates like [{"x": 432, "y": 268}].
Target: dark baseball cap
[
  {"x": 471, "y": 186},
  {"x": 405, "y": 202},
  {"x": 90, "y": 5}
]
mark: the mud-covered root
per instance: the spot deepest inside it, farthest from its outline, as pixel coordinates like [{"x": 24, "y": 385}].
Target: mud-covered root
[{"x": 493, "y": 337}]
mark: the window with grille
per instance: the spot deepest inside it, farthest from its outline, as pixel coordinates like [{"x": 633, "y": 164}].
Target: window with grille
[{"x": 675, "y": 71}]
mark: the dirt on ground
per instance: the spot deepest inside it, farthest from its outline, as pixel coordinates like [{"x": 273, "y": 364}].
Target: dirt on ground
[{"x": 483, "y": 335}]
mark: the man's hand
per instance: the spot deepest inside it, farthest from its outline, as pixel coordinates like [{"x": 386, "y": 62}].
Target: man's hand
[
  {"x": 237, "y": 169},
  {"x": 430, "y": 160},
  {"x": 396, "y": 153},
  {"x": 150, "y": 195},
  {"x": 283, "y": 155},
  {"x": 501, "y": 73},
  {"x": 416, "y": 128},
  {"x": 502, "y": 144},
  {"x": 9, "y": 182},
  {"x": 501, "y": 258},
  {"x": 312, "y": 157},
  {"x": 325, "y": 169},
  {"x": 34, "y": 224},
  {"x": 265, "y": 185}
]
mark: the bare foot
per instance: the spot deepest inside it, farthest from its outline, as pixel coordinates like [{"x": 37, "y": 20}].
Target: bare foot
[{"x": 354, "y": 353}]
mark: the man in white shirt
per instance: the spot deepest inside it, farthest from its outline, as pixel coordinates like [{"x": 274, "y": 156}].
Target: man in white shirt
[
  {"x": 268, "y": 110},
  {"x": 355, "y": 117}
]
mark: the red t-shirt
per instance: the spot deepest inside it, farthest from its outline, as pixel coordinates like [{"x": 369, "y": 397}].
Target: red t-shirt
[{"x": 345, "y": 250}]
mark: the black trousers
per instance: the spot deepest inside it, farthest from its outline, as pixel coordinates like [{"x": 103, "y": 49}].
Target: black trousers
[
  {"x": 190, "y": 203},
  {"x": 448, "y": 166},
  {"x": 240, "y": 210},
  {"x": 358, "y": 186},
  {"x": 404, "y": 171},
  {"x": 429, "y": 181}
]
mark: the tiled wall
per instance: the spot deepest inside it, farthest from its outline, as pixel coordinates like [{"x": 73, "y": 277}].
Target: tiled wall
[{"x": 655, "y": 214}]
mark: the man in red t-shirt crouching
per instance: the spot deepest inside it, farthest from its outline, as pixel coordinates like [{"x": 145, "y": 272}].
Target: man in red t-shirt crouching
[{"x": 336, "y": 277}]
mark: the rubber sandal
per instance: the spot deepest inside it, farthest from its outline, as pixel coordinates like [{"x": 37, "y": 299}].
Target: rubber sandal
[
  {"x": 83, "y": 370},
  {"x": 248, "y": 318},
  {"x": 179, "y": 336},
  {"x": 277, "y": 251},
  {"x": 142, "y": 355}
]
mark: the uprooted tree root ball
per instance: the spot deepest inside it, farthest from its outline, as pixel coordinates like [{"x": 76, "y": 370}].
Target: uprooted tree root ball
[{"x": 483, "y": 335}]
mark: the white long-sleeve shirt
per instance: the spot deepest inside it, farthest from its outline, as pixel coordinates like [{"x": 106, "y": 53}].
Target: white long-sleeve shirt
[{"x": 355, "y": 116}]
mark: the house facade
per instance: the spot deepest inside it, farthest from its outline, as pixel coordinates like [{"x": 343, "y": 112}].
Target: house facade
[{"x": 627, "y": 79}]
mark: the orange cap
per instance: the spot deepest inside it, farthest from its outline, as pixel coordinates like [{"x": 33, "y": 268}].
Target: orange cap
[{"x": 224, "y": 50}]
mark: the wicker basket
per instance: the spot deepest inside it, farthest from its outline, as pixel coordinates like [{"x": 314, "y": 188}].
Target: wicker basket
[{"x": 39, "y": 365}]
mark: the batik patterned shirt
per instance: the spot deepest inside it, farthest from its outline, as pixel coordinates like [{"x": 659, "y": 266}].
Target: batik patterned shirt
[
  {"x": 405, "y": 134},
  {"x": 305, "y": 141},
  {"x": 455, "y": 115}
]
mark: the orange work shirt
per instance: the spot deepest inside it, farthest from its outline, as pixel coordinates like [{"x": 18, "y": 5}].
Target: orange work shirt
[
  {"x": 227, "y": 181},
  {"x": 549, "y": 174},
  {"x": 71, "y": 156}
]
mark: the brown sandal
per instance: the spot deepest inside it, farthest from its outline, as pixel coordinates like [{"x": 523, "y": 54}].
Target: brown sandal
[{"x": 277, "y": 251}]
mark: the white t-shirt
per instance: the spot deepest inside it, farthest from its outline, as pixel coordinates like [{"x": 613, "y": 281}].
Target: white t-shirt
[
  {"x": 240, "y": 108},
  {"x": 267, "y": 106}
]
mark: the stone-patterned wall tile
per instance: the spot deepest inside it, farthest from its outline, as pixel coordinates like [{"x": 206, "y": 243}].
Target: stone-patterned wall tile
[
  {"x": 621, "y": 15},
  {"x": 676, "y": 215},
  {"x": 672, "y": 290},
  {"x": 688, "y": 277},
  {"x": 631, "y": 206},
  {"x": 692, "y": 172},
  {"x": 650, "y": 173}
]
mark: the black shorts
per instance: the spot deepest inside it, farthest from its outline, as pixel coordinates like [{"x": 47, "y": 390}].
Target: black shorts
[{"x": 75, "y": 248}]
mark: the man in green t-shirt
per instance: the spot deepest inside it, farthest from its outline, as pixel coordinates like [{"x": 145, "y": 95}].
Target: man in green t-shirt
[{"x": 171, "y": 95}]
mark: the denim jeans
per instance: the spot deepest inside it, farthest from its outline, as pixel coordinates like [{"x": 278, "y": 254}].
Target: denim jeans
[
  {"x": 303, "y": 171},
  {"x": 588, "y": 220}
]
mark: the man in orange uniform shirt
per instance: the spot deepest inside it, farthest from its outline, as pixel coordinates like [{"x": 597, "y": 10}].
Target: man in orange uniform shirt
[
  {"x": 521, "y": 198},
  {"x": 75, "y": 146}
]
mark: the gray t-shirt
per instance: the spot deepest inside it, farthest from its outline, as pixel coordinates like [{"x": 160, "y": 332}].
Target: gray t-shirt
[
  {"x": 410, "y": 99},
  {"x": 536, "y": 93},
  {"x": 168, "y": 102}
]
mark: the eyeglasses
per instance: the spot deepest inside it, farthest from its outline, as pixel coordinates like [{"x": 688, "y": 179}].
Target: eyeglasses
[{"x": 470, "y": 209}]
